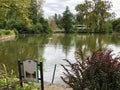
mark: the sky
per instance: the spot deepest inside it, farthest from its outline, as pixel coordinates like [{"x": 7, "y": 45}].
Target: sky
[{"x": 50, "y": 7}]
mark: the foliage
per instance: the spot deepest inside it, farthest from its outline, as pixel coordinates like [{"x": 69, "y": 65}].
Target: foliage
[
  {"x": 34, "y": 28},
  {"x": 94, "y": 14},
  {"x": 23, "y": 15},
  {"x": 34, "y": 9},
  {"x": 14, "y": 9},
  {"x": 100, "y": 71},
  {"x": 19, "y": 25},
  {"x": 58, "y": 20},
  {"x": 6, "y": 32},
  {"x": 116, "y": 25},
  {"x": 67, "y": 20},
  {"x": 8, "y": 79},
  {"x": 45, "y": 25}
]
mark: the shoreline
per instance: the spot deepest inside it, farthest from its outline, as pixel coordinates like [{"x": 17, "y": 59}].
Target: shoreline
[
  {"x": 48, "y": 86},
  {"x": 7, "y": 38}
]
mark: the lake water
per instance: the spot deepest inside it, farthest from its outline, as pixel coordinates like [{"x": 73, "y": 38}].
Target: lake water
[{"x": 54, "y": 48}]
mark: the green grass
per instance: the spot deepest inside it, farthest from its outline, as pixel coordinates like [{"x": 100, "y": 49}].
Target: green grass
[
  {"x": 4, "y": 32},
  {"x": 9, "y": 81}
]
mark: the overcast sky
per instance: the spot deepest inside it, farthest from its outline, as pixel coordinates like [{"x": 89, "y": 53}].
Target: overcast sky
[{"x": 51, "y": 7}]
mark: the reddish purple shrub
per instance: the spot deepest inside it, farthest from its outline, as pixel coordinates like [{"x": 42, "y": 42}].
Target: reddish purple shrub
[{"x": 100, "y": 71}]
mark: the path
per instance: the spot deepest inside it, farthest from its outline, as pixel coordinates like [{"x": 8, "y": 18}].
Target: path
[{"x": 56, "y": 87}]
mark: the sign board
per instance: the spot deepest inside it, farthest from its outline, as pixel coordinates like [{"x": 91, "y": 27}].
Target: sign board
[{"x": 30, "y": 70}]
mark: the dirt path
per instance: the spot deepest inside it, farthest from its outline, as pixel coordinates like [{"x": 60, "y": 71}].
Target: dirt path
[{"x": 56, "y": 87}]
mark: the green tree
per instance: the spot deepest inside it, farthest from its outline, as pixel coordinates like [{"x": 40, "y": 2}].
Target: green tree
[
  {"x": 35, "y": 9},
  {"x": 95, "y": 14},
  {"x": 83, "y": 12},
  {"x": 67, "y": 20},
  {"x": 116, "y": 25},
  {"x": 17, "y": 9},
  {"x": 58, "y": 20}
]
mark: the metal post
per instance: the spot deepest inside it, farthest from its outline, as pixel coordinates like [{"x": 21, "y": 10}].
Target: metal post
[
  {"x": 20, "y": 74},
  {"x": 54, "y": 73},
  {"x": 41, "y": 73}
]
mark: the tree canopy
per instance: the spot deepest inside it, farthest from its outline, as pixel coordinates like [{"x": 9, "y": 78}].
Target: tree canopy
[
  {"x": 23, "y": 15},
  {"x": 94, "y": 14},
  {"x": 67, "y": 20},
  {"x": 116, "y": 25},
  {"x": 14, "y": 9}
]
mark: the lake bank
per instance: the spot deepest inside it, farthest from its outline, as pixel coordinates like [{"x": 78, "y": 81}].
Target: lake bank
[
  {"x": 7, "y": 38},
  {"x": 49, "y": 86}
]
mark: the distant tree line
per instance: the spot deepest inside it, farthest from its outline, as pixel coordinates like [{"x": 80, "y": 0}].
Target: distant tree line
[
  {"x": 26, "y": 16},
  {"x": 93, "y": 14}
]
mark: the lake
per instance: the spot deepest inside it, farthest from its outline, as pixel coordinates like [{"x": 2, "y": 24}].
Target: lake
[{"x": 54, "y": 48}]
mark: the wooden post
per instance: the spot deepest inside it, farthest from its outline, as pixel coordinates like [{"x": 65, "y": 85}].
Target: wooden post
[{"x": 54, "y": 73}]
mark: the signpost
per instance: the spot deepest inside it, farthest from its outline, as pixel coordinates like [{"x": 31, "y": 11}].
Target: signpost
[{"x": 28, "y": 70}]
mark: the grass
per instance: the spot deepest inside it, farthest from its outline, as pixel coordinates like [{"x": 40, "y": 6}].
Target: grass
[
  {"x": 9, "y": 81},
  {"x": 4, "y": 32}
]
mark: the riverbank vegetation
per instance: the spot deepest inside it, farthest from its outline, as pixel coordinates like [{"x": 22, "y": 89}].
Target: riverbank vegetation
[
  {"x": 6, "y": 32},
  {"x": 27, "y": 17},
  {"x": 100, "y": 71},
  {"x": 9, "y": 81},
  {"x": 116, "y": 25}
]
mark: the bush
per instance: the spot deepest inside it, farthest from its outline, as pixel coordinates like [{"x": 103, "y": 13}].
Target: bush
[
  {"x": 7, "y": 79},
  {"x": 6, "y": 32},
  {"x": 20, "y": 26},
  {"x": 116, "y": 25},
  {"x": 100, "y": 71},
  {"x": 34, "y": 28},
  {"x": 38, "y": 28}
]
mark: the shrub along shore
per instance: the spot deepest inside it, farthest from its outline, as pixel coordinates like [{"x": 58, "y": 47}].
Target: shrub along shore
[{"x": 6, "y": 35}]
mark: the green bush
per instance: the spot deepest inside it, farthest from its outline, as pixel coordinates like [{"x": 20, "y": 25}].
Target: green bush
[
  {"x": 6, "y": 32},
  {"x": 116, "y": 25},
  {"x": 100, "y": 71},
  {"x": 8, "y": 79},
  {"x": 20, "y": 26},
  {"x": 34, "y": 28},
  {"x": 38, "y": 28},
  {"x": 2, "y": 24},
  {"x": 1, "y": 33}
]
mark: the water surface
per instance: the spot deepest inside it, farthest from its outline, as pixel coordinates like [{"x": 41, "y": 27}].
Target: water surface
[{"x": 54, "y": 48}]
